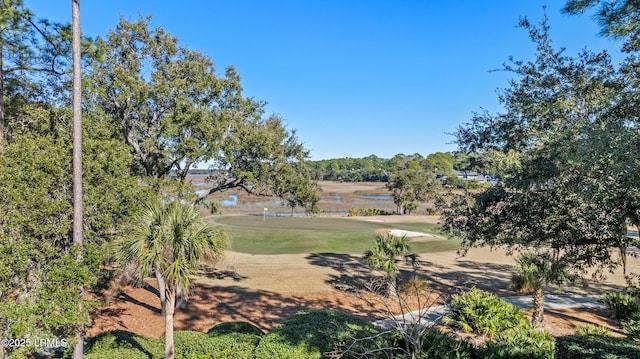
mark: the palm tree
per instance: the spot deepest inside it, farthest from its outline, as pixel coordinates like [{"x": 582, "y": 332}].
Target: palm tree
[
  {"x": 382, "y": 256},
  {"x": 533, "y": 272},
  {"x": 170, "y": 240}
]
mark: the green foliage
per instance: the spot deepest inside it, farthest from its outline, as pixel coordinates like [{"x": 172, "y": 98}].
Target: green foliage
[
  {"x": 108, "y": 345},
  {"x": 593, "y": 329},
  {"x": 188, "y": 345},
  {"x": 618, "y": 18},
  {"x": 197, "y": 345},
  {"x": 213, "y": 207},
  {"x": 170, "y": 239},
  {"x": 40, "y": 280},
  {"x": 382, "y": 256},
  {"x": 309, "y": 334},
  {"x": 235, "y": 327},
  {"x": 410, "y": 186},
  {"x": 525, "y": 341},
  {"x": 367, "y": 212},
  {"x": 534, "y": 270},
  {"x": 595, "y": 347},
  {"x": 484, "y": 313},
  {"x": 432, "y": 211},
  {"x": 565, "y": 173},
  {"x": 631, "y": 325},
  {"x": 444, "y": 346},
  {"x": 621, "y": 304}
]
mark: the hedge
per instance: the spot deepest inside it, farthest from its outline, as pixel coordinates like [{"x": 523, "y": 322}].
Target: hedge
[{"x": 596, "y": 346}]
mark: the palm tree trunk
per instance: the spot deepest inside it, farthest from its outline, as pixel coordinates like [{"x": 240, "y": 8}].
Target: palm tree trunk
[
  {"x": 168, "y": 324},
  {"x": 162, "y": 291},
  {"x": 538, "y": 307},
  {"x": 392, "y": 290},
  {"x": 181, "y": 300}
]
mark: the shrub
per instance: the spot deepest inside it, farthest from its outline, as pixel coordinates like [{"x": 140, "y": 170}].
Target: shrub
[
  {"x": 108, "y": 344},
  {"x": 309, "y": 334},
  {"x": 119, "y": 353},
  {"x": 595, "y": 346},
  {"x": 484, "y": 313},
  {"x": 592, "y": 329},
  {"x": 526, "y": 341},
  {"x": 632, "y": 326},
  {"x": 235, "y": 327},
  {"x": 213, "y": 207},
  {"x": 197, "y": 345},
  {"x": 444, "y": 346},
  {"x": 432, "y": 211},
  {"x": 622, "y": 305},
  {"x": 366, "y": 212}
]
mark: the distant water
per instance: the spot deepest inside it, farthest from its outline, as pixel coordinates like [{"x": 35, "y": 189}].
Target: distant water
[
  {"x": 377, "y": 196},
  {"x": 230, "y": 201}
]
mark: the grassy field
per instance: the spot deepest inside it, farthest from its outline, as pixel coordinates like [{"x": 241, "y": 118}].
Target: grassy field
[{"x": 285, "y": 235}]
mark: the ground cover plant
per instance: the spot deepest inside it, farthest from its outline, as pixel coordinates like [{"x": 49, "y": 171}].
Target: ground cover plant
[
  {"x": 510, "y": 334},
  {"x": 595, "y": 346},
  {"x": 282, "y": 235}
]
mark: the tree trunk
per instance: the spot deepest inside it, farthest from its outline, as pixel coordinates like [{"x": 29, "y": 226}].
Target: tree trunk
[
  {"x": 181, "y": 299},
  {"x": 168, "y": 323},
  {"x": 162, "y": 291},
  {"x": 538, "y": 307},
  {"x": 78, "y": 349},
  {"x": 392, "y": 287}
]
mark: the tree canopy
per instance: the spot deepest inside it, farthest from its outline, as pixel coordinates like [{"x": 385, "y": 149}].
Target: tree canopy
[
  {"x": 167, "y": 103},
  {"x": 570, "y": 186}
]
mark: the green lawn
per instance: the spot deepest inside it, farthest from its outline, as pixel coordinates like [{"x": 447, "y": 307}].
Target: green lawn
[{"x": 281, "y": 235}]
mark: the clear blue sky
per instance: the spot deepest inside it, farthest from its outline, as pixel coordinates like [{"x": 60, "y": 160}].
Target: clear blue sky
[{"x": 355, "y": 77}]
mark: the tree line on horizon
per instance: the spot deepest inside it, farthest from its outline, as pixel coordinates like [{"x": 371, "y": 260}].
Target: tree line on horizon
[{"x": 376, "y": 169}]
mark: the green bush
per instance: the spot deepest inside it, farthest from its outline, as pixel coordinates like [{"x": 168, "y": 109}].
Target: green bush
[
  {"x": 632, "y": 326},
  {"x": 623, "y": 305},
  {"x": 213, "y": 207},
  {"x": 366, "y": 212},
  {"x": 119, "y": 353},
  {"x": 595, "y": 346},
  {"x": 197, "y": 345},
  {"x": 483, "y": 313},
  {"x": 235, "y": 327},
  {"x": 120, "y": 344},
  {"x": 525, "y": 341},
  {"x": 108, "y": 344},
  {"x": 592, "y": 329},
  {"x": 444, "y": 346},
  {"x": 309, "y": 334}
]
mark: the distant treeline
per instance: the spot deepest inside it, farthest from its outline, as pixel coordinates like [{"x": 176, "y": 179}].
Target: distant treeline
[{"x": 376, "y": 169}]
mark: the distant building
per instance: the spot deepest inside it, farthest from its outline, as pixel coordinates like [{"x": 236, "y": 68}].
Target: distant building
[{"x": 471, "y": 176}]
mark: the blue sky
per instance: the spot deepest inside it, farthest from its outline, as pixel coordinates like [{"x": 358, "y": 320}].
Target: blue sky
[{"x": 356, "y": 77}]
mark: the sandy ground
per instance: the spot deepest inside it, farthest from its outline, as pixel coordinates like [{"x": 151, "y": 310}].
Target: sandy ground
[{"x": 266, "y": 289}]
